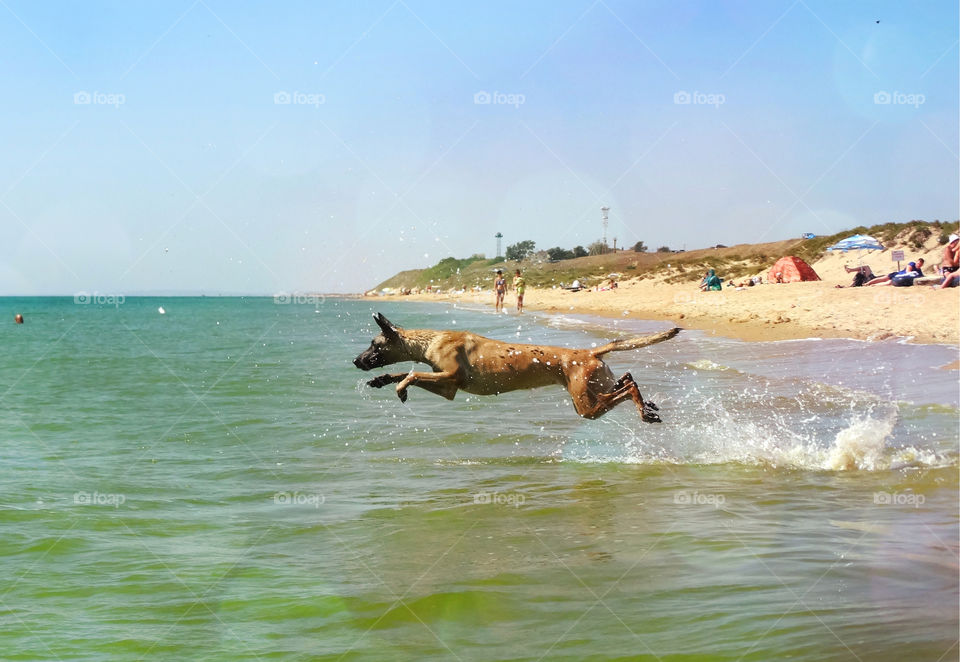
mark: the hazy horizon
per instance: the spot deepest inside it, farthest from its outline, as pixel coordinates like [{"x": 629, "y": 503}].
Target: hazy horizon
[{"x": 207, "y": 147}]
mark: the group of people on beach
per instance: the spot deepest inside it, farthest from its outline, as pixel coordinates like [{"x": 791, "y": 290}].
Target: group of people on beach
[
  {"x": 949, "y": 273},
  {"x": 500, "y": 289},
  {"x": 949, "y": 270}
]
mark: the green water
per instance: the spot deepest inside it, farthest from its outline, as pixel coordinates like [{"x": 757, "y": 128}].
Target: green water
[{"x": 216, "y": 483}]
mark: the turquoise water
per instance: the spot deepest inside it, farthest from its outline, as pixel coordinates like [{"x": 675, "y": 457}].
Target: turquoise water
[{"x": 217, "y": 483}]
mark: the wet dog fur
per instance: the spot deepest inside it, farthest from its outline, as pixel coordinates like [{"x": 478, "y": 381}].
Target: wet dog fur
[{"x": 464, "y": 361}]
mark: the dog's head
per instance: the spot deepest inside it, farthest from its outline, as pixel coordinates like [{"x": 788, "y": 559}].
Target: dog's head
[{"x": 385, "y": 349}]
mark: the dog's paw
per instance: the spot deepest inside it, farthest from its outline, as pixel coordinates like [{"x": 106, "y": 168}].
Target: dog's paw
[
  {"x": 380, "y": 382},
  {"x": 649, "y": 414},
  {"x": 402, "y": 394}
]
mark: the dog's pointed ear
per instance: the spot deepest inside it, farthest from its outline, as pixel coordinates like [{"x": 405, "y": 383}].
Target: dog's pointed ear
[{"x": 385, "y": 325}]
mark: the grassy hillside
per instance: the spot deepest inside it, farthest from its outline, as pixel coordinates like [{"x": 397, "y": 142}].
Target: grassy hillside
[{"x": 731, "y": 262}]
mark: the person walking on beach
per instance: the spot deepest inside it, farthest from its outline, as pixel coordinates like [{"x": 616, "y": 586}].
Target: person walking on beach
[
  {"x": 520, "y": 285},
  {"x": 499, "y": 289}
]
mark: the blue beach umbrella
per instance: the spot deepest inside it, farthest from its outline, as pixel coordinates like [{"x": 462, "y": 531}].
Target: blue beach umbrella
[{"x": 858, "y": 242}]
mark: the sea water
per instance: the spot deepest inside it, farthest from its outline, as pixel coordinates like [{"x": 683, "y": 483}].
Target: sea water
[{"x": 217, "y": 482}]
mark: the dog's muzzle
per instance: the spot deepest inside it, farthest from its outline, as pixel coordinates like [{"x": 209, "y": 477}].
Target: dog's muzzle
[{"x": 367, "y": 361}]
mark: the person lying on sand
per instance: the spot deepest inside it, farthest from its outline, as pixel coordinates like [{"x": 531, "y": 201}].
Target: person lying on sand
[
  {"x": 863, "y": 275},
  {"x": 608, "y": 285},
  {"x": 902, "y": 278}
]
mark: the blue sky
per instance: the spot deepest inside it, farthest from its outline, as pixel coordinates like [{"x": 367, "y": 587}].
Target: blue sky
[{"x": 223, "y": 147}]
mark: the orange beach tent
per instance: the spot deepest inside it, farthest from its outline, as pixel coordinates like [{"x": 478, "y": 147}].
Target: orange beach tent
[{"x": 791, "y": 270}]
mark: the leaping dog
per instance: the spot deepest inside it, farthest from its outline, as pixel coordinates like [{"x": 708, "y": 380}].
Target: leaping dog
[{"x": 465, "y": 361}]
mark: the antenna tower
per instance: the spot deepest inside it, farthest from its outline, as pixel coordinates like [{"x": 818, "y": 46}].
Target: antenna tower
[{"x": 605, "y": 220}]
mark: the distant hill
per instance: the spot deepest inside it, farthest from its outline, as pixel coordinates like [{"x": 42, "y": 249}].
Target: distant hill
[{"x": 733, "y": 261}]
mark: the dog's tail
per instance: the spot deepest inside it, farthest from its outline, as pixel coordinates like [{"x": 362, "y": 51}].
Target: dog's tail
[{"x": 635, "y": 342}]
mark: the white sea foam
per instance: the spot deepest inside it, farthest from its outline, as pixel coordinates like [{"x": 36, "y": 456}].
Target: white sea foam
[
  {"x": 722, "y": 436},
  {"x": 707, "y": 364},
  {"x": 561, "y": 321}
]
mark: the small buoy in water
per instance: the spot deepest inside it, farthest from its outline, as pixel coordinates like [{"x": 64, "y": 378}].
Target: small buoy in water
[
  {"x": 18, "y": 318},
  {"x": 161, "y": 310}
]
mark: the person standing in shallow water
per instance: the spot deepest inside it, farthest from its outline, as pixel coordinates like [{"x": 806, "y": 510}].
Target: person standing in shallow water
[
  {"x": 520, "y": 285},
  {"x": 499, "y": 289}
]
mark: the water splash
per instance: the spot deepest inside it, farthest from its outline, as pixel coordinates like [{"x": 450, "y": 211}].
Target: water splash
[
  {"x": 763, "y": 429},
  {"x": 862, "y": 445}
]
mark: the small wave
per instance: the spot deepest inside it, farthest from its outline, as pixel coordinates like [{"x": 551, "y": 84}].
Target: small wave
[
  {"x": 707, "y": 364},
  {"x": 564, "y": 321}
]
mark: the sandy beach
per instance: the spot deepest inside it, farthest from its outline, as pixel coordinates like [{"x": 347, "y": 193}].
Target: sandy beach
[{"x": 768, "y": 311}]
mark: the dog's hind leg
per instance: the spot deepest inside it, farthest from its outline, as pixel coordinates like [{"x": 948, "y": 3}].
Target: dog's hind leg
[
  {"x": 594, "y": 405},
  {"x": 648, "y": 410},
  {"x": 600, "y": 403},
  {"x": 623, "y": 381}
]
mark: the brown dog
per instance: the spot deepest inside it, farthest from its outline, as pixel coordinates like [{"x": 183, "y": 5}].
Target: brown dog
[{"x": 478, "y": 365}]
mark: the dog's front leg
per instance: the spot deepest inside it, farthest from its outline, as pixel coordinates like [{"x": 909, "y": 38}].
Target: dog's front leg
[
  {"x": 439, "y": 378},
  {"x": 383, "y": 380}
]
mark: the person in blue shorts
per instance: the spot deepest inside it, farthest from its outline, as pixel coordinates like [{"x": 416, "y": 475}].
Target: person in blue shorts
[{"x": 902, "y": 278}]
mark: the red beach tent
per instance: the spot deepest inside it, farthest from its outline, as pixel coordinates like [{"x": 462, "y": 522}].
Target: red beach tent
[{"x": 791, "y": 270}]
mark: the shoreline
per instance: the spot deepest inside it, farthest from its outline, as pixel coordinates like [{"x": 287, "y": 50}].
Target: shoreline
[
  {"x": 826, "y": 308},
  {"x": 767, "y": 312}
]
